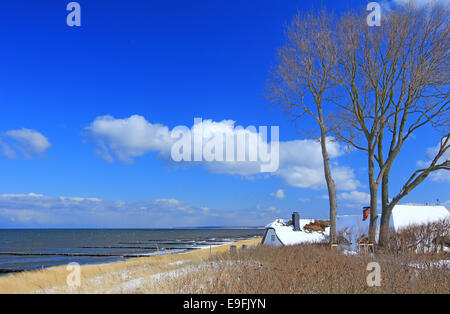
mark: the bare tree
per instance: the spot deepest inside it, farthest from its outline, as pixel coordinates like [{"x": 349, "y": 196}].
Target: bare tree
[
  {"x": 357, "y": 72},
  {"x": 396, "y": 79},
  {"x": 301, "y": 82}
]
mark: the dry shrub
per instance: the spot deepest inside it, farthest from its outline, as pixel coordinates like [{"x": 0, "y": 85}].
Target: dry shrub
[
  {"x": 317, "y": 226},
  {"x": 311, "y": 269},
  {"x": 344, "y": 236},
  {"x": 420, "y": 238}
]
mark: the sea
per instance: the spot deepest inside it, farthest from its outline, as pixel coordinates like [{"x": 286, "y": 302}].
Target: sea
[{"x": 31, "y": 249}]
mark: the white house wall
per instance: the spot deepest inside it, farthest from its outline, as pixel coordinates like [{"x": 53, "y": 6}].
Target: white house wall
[{"x": 271, "y": 238}]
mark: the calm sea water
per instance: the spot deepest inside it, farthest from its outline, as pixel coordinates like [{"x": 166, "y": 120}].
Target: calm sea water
[{"x": 35, "y": 249}]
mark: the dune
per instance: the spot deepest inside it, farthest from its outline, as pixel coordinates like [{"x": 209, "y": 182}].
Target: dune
[{"x": 117, "y": 277}]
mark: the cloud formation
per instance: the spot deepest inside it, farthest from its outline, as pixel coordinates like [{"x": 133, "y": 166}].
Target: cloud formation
[
  {"x": 279, "y": 194},
  {"x": 422, "y": 3},
  {"x": 25, "y": 141},
  {"x": 300, "y": 161},
  {"x": 355, "y": 198},
  {"x": 37, "y": 210},
  {"x": 440, "y": 175},
  {"x": 126, "y": 139}
]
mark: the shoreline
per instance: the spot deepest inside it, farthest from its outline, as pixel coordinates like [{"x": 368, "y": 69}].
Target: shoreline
[
  {"x": 124, "y": 257},
  {"x": 53, "y": 279}
]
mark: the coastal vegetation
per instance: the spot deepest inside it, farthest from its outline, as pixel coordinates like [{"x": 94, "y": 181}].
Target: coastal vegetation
[
  {"x": 119, "y": 277},
  {"x": 414, "y": 262},
  {"x": 313, "y": 269}
]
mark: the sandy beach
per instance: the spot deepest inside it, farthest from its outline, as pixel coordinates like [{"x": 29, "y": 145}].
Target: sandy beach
[{"x": 137, "y": 275}]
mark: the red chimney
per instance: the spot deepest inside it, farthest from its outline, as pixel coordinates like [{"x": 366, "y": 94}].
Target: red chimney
[{"x": 366, "y": 212}]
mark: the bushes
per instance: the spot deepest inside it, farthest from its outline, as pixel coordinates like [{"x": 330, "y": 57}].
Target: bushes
[
  {"x": 312, "y": 269},
  {"x": 420, "y": 238}
]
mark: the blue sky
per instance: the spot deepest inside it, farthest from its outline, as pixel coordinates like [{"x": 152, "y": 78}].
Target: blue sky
[{"x": 154, "y": 65}]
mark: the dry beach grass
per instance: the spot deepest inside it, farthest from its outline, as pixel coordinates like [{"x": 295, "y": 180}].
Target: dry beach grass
[
  {"x": 312, "y": 269},
  {"x": 119, "y": 277}
]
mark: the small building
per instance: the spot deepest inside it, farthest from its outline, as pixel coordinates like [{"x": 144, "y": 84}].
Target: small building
[
  {"x": 282, "y": 232},
  {"x": 405, "y": 215},
  {"x": 351, "y": 227}
]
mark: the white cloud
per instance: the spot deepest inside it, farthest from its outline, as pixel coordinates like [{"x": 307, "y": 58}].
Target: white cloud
[
  {"x": 302, "y": 177},
  {"x": 355, "y": 197},
  {"x": 313, "y": 177},
  {"x": 26, "y": 141},
  {"x": 305, "y": 152},
  {"x": 301, "y": 165},
  {"x": 390, "y": 5},
  {"x": 227, "y": 128},
  {"x": 300, "y": 161},
  {"x": 37, "y": 210},
  {"x": 128, "y": 138},
  {"x": 440, "y": 175},
  {"x": 422, "y": 3},
  {"x": 279, "y": 194},
  {"x": 344, "y": 178}
]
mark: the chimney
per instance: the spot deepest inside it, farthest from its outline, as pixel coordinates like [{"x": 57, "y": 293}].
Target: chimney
[
  {"x": 296, "y": 221},
  {"x": 366, "y": 212}
]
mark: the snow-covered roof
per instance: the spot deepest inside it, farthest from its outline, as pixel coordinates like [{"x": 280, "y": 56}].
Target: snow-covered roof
[
  {"x": 288, "y": 236},
  {"x": 404, "y": 215}
]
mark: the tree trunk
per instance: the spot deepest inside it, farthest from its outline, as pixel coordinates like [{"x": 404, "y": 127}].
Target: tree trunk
[
  {"x": 330, "y": 185},
  {"x": 384, "y": 227},
  {"x": 373, "y": 199},
  {"x": 373, "y": 213},
  {"x": 386, "y": 211}
]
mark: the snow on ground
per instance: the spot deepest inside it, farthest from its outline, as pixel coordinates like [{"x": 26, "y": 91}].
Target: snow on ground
[
  {"x": 132, "y": 280},
  {"x": 133, "y": 286},
  {"x": 130, "y": 286},
  {"x": 441, "y": 263},
  {"x": 178, "y": 263},
  {"x": 348, "y": 252}
]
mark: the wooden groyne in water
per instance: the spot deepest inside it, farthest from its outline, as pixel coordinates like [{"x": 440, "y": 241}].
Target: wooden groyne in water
[{"x": 126, "y": 255}]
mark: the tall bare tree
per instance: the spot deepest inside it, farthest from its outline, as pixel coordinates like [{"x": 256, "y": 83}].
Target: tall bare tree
[
  {"x": 357, "y": 72},
  {"x": 396, "y": 79},
  {"x": 301, "y": 82},
  {"x": 424, "y": 87}
]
